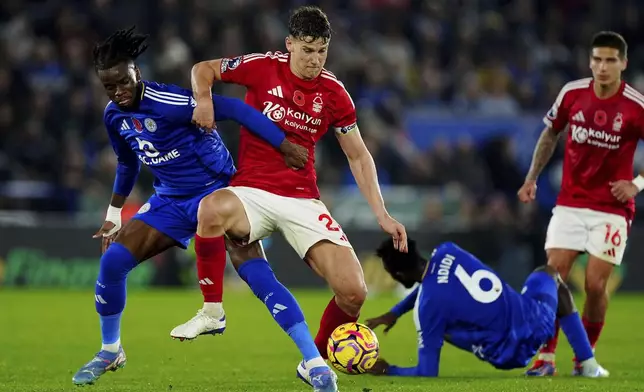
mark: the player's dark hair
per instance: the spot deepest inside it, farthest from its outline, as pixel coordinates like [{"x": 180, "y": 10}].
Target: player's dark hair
[
  {"x": 610, "y": 39},
  {"x": 394, "y": 260},
  {"x": 309, "y": 23},
  {"x": 123, "y": 45}
]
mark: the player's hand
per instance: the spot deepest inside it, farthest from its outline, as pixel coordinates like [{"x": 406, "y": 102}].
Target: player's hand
[
  {"x": 528, "y": 191},
  {"x": 380, "y": 368},
  {"x": 388, "y": 320},
  {"x": 107, "y": 233},
  {"x": 295, "y": 156},
  {"x": 204, "y": 115},
  {"x": 397, "y": 232},
  {"x": 623, "y": 190}
]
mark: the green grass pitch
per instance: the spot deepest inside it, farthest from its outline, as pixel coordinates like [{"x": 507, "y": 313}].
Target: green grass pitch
[{"x": 45, "y": 336}]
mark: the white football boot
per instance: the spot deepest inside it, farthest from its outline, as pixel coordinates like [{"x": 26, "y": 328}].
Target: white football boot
[
  {"x": 321, "y": 378},
  {"x": 201, "y": 324},
  {"x": 592, "y": 370}
]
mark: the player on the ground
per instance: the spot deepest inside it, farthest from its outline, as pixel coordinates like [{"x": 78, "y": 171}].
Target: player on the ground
[
  {"x": 150, "y": 123},
  {"x": 304, "y": 99},
  {"x": 595, "y": 206},
  {"x": 462, "y": 301}
]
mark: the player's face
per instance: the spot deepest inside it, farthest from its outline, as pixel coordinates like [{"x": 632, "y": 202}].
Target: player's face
[
  {"x": 406, "y": 278},
  {"x": 607, "y": 65},
  {"x": 307, "y": 55},
  {"x": 120, "y": 83}
]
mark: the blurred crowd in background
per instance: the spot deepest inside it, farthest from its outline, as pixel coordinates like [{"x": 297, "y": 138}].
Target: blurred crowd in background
[{"x": 465, "y": 58}]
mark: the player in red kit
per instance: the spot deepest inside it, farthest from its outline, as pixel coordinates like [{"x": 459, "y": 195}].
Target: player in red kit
[
  {"x": 595, "y": 207},
  {"x": 305, "y": 100}
]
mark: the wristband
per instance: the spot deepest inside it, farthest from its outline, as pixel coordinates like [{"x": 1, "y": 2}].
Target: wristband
[
  {"x": 113, "y": 214},
  {"x": 639, "y": 182}
]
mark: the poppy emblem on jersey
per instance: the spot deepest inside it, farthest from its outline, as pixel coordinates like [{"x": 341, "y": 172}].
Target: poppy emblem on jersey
[
  {"x": 150, "y": 124},
  {"x": 317, "y": 103},
  {"x": 600, "y": 118},
  {"x": 137, "y": 125},
  {"x": 298, "y": 98},
  {"x": 617, "y": 122}
]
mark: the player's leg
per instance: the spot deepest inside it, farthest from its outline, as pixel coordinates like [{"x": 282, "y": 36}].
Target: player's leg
[
  {"x": 339, "y": 266},
  {"x": 309, "y": 228},
  {"x": 221, "y": 212},
  {"x": 606, "y": 246},
  {"x": 137, "y": 241},
  {"x": 566, "y": 238},
  {"x": 250, "y": 262},
  {"x": 573, "y": 328},
  {"x": 546, "y": 286}
]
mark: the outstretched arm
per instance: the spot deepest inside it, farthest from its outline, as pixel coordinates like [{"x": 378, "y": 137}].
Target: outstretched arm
[
  {"x": 406, "y": 304},
  {"x": 235, "y": 109},
  {"x": 295, "y": 156},
  {"x": 364, "y": 171}
]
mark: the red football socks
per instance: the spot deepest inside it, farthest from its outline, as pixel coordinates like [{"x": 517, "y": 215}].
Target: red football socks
[
  {"x": 593, "y": 329},
  {"x": 551, "y": 345},
  {"x": 332, "y": 317},
  {"x": 211, "y": 263}
]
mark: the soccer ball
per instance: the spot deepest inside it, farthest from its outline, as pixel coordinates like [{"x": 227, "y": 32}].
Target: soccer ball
[{"x": 353, "y": 348}]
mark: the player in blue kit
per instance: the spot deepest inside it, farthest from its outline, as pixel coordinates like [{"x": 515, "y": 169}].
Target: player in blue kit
[
  {"x": 462, "y": 301},
  {"x": 150, "y": 123}
]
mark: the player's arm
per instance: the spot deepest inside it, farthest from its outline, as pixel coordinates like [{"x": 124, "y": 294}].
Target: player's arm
[
  {"x": 243, "y": 70},
  {"x": 364, "y": 171},
  {"x": 127, "y": 168},
  {"x": 556, "y": 121},
  {"x": 625, "y": 190},
  {"x": 543, "y": 151},
  {"x": 236, "y": 110},
  {"x": 406, "y": 304},
  {"x": 127, "y": 171},
  {"x": 430, "y": 341}
]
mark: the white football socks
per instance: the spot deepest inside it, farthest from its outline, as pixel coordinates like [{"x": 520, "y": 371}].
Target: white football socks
[
  {"x": 315, "y": 362},
  {"x": 112, "y": 347},
  {"x": 213, "y": 309}
]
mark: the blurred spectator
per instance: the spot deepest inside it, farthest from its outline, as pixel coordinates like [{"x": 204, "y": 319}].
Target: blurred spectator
[{"x": 492, "y": 58}]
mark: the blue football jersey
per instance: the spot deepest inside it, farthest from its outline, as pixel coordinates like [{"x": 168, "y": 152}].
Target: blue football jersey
[
  {"x": 159, "y": 134},
  {"x": 463, "y": 302}
]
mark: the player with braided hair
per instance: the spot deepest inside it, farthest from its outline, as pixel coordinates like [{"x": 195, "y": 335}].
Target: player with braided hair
[{"x": 151, "y": 123}]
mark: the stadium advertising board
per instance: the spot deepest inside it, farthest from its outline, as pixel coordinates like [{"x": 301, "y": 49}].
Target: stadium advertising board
[{"x": 69, "y": 257}]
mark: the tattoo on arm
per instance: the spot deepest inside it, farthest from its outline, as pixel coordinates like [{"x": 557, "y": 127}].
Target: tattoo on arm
[{"x": 543, "y": 152}]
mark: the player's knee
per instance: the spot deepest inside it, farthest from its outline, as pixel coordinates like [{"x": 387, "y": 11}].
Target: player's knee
[
  {"x": 595, "y": 288},
  {"x": 210, "y": 210},
  {"x": 352, "y": 297},
  {"x": 115, "y": 264},
  {"x": 560, "y": 264}
]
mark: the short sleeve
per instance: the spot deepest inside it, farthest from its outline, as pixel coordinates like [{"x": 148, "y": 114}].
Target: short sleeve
[
  {"x": 245, "y": 70},
  {"x": 344, "y": 114},
  {"x": 557, "y": 116}
]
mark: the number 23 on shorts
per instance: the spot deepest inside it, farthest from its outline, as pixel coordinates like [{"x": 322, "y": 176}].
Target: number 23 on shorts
[{"x": 331, "y": 225}]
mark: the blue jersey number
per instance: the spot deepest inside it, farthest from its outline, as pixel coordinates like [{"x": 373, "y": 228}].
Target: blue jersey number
[{"x": 472, "y": 284}]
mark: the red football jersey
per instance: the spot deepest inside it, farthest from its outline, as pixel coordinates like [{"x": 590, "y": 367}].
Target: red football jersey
[
  {"x": 303, "y": 109},
  {"x": 600, "y": 147}
]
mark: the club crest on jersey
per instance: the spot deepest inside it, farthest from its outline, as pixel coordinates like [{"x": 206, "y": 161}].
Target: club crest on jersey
[
  {"x": 600, "y": 118},
  {"x": 144, "y": 208},
  {"x": 317, "y": 103},
  {"x": 137, "y": 125},
  {"x": 298, "y": 98},
  {"x": 617, "y": 122},
  {"x": 150, "y": 124},
  {"x": 230, "y": 64}
]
